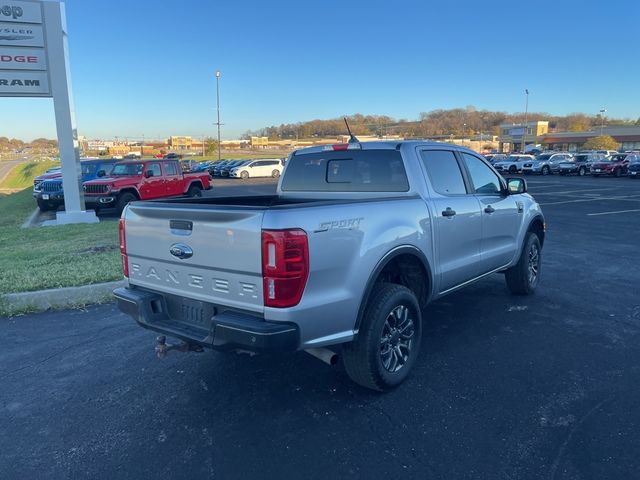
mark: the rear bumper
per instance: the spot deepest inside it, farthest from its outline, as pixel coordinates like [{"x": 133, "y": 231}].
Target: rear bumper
[{"x": 223, "y": 330}]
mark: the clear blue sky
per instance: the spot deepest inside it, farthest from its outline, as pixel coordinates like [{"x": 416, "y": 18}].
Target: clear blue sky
[{"x": 147, "y": 67}]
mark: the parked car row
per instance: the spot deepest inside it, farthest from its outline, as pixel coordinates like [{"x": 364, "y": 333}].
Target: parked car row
[
  {"x": 564, "y": 163},
  {"x": 110, "y": 183},
  {"x": 263, "y": 167}
]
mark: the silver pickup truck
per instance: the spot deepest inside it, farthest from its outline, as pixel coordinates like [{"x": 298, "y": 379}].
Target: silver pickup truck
[{"x": 357, "y": 240}]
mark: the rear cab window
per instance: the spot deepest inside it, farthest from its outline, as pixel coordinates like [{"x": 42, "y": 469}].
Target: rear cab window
[{"x": 346, "y": 171}]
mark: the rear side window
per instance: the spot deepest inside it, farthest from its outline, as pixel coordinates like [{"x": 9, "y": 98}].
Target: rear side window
[
  {"x": 350, "y": 171},
  {"x": 170, "y": 168},
  {"x": 444, "y": 172}
]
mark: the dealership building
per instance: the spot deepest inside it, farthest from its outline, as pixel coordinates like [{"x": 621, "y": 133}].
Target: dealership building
[{"x": 627, "y": 137}]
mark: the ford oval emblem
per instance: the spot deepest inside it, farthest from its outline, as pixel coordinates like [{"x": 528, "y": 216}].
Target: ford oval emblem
[{"x": 181, "y": 251}]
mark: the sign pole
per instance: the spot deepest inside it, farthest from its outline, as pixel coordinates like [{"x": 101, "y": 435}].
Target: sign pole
[{"x": 60, "y": 82}]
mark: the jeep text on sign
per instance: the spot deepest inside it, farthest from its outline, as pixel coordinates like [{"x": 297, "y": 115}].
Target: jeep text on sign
[
  {"x": 24, "y": 83},
  {"x": 19, "y": 35},
  {"x": 23, "y": 12},
  {"x": 22, "y": 59}
]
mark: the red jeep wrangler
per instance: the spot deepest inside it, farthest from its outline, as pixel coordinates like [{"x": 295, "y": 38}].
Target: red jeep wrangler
[{"x": 144, "y": 180}]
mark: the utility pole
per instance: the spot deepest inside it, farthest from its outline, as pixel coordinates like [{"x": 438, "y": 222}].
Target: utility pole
[
  {"x": 526, "y": 112},
  {"x": 602, "y": 112},
  {"x": 218, "y": 107}
]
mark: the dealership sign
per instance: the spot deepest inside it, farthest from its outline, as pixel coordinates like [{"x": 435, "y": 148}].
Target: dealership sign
[
  {"x": 34, "y": 62},
  {"x": 23, "y": 50}
]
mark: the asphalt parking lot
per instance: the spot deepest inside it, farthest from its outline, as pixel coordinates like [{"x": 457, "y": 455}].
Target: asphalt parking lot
[{"x": 506, "y": 387}]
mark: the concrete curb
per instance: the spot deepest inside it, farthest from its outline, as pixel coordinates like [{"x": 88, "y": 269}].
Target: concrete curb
[
  {"x": 32, "y": 219},
  {"x": 60, "y": 297}
]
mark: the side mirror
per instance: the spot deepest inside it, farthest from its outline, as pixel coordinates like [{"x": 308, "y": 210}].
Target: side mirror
[
  {"x": 148, "y": 174},
  {"x": 516, "y": 186},
  {"x": 102, "y": 173}
]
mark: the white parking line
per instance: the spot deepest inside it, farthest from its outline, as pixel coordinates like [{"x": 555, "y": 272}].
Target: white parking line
[
  {"x": 597, "y": 199},
  {"x": 567, "y": 192},
  {"x": 611, "y": 213}
]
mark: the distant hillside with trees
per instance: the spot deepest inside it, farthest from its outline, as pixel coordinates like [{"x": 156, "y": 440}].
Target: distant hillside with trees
[{"x": 457, "y": 121}]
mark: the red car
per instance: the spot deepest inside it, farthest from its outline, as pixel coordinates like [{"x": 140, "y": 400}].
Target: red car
[
  {"x": 614, "y": 165},
  {"x": 144, "y": 180}
]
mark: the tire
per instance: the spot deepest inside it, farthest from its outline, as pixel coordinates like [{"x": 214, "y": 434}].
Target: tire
[
  {"x": 513, "y": 169},
  {"x": 244, "y": 175},
  {"x": 194, "y": 191},
  {"x": 275, "y": 174},
  {"x": 582, "y": 171},
  {"x": 546, "y": 170},
  {"x": 44, "y": 206},
  {"x": 123, "y": 201},
  {"x": 618, "y": 172},
  {"x": 523, "y": 277},
  {"x": 390, "y": 306}
]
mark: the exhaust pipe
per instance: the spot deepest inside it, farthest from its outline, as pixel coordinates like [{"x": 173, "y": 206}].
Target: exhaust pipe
[{"x": 327, "y": 356}]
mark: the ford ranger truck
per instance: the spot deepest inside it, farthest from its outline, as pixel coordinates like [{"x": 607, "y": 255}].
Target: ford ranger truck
[
  {"x": 358, "y": 238},
  {"x": 143, "y": 180}
]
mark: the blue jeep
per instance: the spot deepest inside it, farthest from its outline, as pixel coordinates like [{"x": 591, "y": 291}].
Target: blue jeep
[{"x": 51, "y": 195}]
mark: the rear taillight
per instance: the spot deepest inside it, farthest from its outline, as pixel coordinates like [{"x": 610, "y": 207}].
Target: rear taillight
[
  {"x": 123, "y": 248},
  {"x": 285, "y": 266}
]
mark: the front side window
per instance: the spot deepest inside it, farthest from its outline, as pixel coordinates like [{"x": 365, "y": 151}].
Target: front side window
[
  {"x": 444, "y": 172},
  {"x": 155, "y": 168},
  {"x": 484, "y": 180},
  {"x": 127, "y": 169}
]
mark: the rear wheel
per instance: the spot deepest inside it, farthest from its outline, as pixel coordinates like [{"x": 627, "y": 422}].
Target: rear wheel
[
  {"x": 617, "y": 172},
  {"x": 546, "y": 170},
  {"x": 123, "y": 201},
  {"x": 194, "y": 191},
  {"x": 388, "y": 342},
  {"x": 523, "y": 277},
  {"x": 582, "y": 171},
  {"x": 244, "y": 175},
  {"x": 513, "y": 169},
  {"x": 275, "y": 173}
]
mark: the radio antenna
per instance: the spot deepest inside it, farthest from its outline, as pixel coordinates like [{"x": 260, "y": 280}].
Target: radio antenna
[{"x": 352, "y": 137}]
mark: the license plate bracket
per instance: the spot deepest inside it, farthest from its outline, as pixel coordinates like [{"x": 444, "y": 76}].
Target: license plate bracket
[{"x": 191, "y": 312}]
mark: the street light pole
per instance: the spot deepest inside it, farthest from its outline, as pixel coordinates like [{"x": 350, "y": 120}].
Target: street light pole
[
  {"x": 464, "y": 129},
  {"x": 526, "y": 113},
  {"x": 602, "y": 112},
  {"x": 218, "y": 107}
]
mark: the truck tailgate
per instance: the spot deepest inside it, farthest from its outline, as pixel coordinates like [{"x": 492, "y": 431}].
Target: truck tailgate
[{"x": 225, "y": 267}]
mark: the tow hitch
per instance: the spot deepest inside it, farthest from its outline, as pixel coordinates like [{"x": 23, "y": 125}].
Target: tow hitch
[{"x": 163, "y": 348}]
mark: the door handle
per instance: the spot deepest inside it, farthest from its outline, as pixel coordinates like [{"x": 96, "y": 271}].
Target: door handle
[
  {"x": 448, "y": 212},
  {"x": 489, "y": 209}
]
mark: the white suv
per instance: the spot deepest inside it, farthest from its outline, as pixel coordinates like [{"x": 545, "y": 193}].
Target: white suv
[{"x": 265, "y": 167}]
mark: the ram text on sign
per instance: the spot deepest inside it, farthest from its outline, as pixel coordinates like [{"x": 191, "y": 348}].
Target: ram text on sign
[
  {"x": 22, "y": 59},
  {"x": 24, "y": 83},
  {"x": 23, "y": 12},
  {"x": 19, "y": 35}
]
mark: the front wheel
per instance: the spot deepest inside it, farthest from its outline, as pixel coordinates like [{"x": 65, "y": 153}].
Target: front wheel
[
  {"x": 523, "y": 277},
  {"x": 44, "y": 206},
  {"x": 388, "y": 342},
  {"x": 275, "y": 174},
  {"x": 513, "y": 169},
  {"x": 545, "y": 170},
  {"x": 123, "y": 201},
  {"x": 244, "y": 175},
  {"x": 618, "y": 172},
  {"x": 582, "y": 171}
]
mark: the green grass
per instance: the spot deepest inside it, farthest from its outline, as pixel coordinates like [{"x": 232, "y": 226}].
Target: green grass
[
  {"x": 22, "y": 175},
  {"x": 53, "y": 257}
]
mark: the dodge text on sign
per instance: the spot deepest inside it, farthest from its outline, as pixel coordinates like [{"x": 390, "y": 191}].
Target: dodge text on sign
[{"x": 22, "y": 59}]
